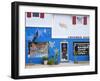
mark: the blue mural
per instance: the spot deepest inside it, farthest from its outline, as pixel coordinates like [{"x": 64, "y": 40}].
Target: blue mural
[{"x": 59, "y": 49}]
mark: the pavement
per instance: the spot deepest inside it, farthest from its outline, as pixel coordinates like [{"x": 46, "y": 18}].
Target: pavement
[{"x": 57, "y": 65}]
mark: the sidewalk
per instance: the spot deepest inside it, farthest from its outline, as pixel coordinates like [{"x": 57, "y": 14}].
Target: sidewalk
[{"x": 58, "y": 65}]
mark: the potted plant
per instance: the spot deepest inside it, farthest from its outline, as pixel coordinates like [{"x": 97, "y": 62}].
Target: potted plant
[
  {"x": 51, "y": 61},
  {"x": 45, "y": 60}
]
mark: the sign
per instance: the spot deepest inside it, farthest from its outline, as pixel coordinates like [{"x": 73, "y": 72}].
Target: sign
[{"x": 81, "y": 48}]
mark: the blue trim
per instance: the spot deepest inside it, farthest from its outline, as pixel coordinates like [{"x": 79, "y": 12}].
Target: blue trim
[{"x": 44, "y": 35}]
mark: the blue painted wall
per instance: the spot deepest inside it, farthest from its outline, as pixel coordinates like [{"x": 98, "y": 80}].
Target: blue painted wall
[{"x": 44, "y": 35}]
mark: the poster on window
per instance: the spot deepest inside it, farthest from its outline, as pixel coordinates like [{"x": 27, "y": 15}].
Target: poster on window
[{"x": 81, "y": 48}]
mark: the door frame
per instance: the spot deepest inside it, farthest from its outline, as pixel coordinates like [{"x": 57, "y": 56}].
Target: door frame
[{"x": 61, "y": 52}]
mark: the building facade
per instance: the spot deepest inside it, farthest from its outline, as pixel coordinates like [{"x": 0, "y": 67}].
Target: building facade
[{"x": 61, "y": 37}]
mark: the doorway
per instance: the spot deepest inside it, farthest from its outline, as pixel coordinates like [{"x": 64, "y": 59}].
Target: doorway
[{"x": 64, "y": 51}]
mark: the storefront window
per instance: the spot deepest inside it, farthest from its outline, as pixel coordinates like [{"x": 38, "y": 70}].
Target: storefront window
[
  {"x": 81, "y": 48},
  {"x": 38, "y": 49}
]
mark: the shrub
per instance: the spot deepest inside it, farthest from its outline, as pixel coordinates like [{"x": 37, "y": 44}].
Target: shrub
[
  {"x": 45, "y": 58},
  {"x": 50, "y": 61}
]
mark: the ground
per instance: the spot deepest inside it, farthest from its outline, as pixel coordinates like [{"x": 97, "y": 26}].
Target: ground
[{"x": 59, "y": 65}]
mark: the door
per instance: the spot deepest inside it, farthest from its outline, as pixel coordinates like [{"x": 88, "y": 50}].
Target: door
[{"x": 64, "y": 52}]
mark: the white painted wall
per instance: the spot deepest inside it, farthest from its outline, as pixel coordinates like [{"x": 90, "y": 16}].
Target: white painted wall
[
  {"x": 54, "y": 21},
  {"x": 69, "y": 30},
  {"x": 39, "y": 22}
]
